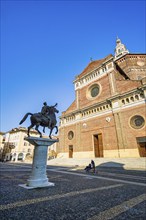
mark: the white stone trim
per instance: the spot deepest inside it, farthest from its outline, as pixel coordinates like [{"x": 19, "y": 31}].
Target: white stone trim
[
  {"x": 122, "y": 153},
  {"x": 90, "y": 113},
  {"x": 112, "y": 84},
  {"x": 91, "y": 77},
  {"x": 87, "y": 118},
  {"x": 77, "y": 155},
  {"x": 129, "y": 105}
]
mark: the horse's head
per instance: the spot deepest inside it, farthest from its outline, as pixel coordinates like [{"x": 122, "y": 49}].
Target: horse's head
[
  {"x": 55, "y": 110},
  {"x": 52, "y": 109}
]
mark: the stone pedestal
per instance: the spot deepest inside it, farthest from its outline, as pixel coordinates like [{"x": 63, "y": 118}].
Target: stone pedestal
[{"x": 38, "y": 176}]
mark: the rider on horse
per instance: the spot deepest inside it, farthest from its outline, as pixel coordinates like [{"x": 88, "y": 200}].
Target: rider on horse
[
  {"x": 45, "y": 118},
  {"x": 45, "y": 112}
]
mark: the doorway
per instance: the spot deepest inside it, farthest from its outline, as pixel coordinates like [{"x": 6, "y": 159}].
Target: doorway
[
  {"x": 98, "y": 145},
  {"x": 20, "y": 156},
  {"x": 141, "y": 142},
  {"x": 70, "y": 151}
]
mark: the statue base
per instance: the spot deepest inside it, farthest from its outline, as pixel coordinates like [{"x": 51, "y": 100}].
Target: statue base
[
  {"x": 38, "y": 186},
  {"x": 38, "y": 178}
]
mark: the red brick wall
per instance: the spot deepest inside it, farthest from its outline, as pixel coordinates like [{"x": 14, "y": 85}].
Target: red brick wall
[
  {"x": 129, "y": 64},
  {"x": 104, "y": 93},
  {"x": 129, "y": 132},
  {"x": 83, "y": 137},
  {"x": 126, "y": 85}
]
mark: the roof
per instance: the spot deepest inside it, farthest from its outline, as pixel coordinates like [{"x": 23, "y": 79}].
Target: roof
[
  {"x": 72, "y": 107},
  {"x": 23, "y": 129},
  {"x": 93, "y": 65}
]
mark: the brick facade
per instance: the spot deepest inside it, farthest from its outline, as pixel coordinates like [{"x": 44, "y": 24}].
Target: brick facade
[{"x": 107, "y": 117}]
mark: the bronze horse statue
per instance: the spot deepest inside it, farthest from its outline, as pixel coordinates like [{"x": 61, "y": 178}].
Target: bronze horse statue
[{"x": 37, "y": 119}]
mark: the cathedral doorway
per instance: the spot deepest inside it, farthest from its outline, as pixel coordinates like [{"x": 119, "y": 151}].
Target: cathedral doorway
[
  {"x": 70, "y": 151},
  {"x": 98, "y": 145},
  {"x": 141, "y": 142}
]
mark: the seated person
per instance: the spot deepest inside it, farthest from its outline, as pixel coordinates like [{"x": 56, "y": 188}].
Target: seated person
[{"x": 87, "y": 168}]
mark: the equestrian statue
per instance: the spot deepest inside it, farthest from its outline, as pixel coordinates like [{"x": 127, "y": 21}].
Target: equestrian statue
[{"x": 45, "y": 118}]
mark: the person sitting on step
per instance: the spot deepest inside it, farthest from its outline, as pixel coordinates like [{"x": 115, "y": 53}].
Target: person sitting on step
[{"x": 88, "y": 168}]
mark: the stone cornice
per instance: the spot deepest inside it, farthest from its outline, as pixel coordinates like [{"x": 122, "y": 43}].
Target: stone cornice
[
  {"x": 78, "y": 111},
  {"x": 139, "y": 90},
  {"x": 98, "y": 67},
  {"x": 130, "y": 54}
]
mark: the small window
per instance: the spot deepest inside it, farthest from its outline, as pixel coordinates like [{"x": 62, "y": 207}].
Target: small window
[{"x": 70, "y": 135}]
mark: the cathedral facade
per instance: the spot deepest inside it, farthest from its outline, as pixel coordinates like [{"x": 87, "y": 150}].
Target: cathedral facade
[{"x": 107, "y": 117}]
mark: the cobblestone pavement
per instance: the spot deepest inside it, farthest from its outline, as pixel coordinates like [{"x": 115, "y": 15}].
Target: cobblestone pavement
[{"x": 108, "y": 194}]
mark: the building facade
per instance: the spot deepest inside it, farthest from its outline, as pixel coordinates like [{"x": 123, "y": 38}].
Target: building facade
[
  {"x": 2, "y": 139},
  {"x": 107, "y": 117},
  {"x": 13, "y": 147}
]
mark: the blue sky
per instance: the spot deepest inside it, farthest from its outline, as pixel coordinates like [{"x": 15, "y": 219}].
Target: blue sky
[{"x": 45, "y": 44}]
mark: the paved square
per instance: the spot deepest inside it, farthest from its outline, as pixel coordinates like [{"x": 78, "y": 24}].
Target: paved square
[{"x": 76, "y": 195}]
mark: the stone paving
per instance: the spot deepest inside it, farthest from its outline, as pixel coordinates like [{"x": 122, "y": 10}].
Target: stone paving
[{"x": 108, "y": 194}]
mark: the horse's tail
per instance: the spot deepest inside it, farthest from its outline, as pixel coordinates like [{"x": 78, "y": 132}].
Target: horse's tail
[{"x": 25, "y": 117}]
